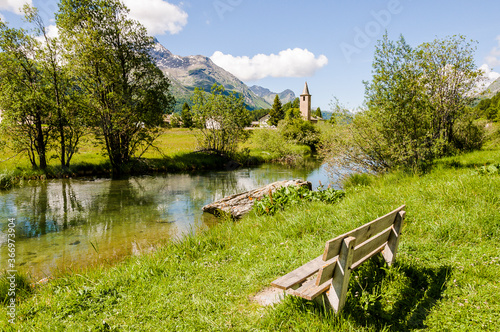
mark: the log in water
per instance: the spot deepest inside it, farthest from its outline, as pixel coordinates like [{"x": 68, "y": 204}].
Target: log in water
[{"x": 239, "y": 204}]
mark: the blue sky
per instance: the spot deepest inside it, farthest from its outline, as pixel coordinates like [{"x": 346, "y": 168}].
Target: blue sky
[{"x": 281, "y": 44}]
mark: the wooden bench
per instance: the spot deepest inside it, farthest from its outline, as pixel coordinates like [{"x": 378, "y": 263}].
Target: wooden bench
[{"x": 329, "y": 273}]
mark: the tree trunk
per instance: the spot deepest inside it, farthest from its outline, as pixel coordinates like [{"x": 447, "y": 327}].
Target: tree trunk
[{"x": 40, "y": 143}]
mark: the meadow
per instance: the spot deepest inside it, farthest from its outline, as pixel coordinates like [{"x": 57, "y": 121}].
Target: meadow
[{"x": 446, "y": 276}]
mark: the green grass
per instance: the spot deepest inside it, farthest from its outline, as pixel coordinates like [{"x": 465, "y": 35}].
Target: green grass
[
  {"x": 446, "y": 276},
  {"x": 172, "y": 142}
]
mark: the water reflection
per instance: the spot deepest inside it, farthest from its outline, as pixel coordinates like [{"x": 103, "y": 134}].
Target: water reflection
[{"x": 73, "y": 223}]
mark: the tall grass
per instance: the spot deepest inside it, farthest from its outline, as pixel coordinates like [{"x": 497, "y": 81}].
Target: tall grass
[{"x": 446, "y": 276}]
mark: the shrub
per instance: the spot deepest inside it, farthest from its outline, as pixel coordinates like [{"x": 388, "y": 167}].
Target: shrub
[
  {"x": 300, "y": 131},
  {"x": 274, "y": 202},
  {"x": 357, "y": 179}
]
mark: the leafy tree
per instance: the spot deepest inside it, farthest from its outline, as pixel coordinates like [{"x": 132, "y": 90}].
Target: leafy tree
[
  {"x": 417, "y": 102},
  {"x": 186, "y": 116},
  {"x": 64, "y": 97},
  {"x": 221, "y": 119},
  {"x": 110, "y": 54},
  {"x": 276, "y": 112},
  {"x": 318, "y": 114},
  {"x": 23, "y": 95}
]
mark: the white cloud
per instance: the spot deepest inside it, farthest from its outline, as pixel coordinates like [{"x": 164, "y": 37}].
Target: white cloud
[
  {"x": 493, "y": 59},
  {"x": 52, "y": 32},
  {"x": 14, "y": 5},
  {"x": 489, "y": 76},
  {"x": 158, "y": 16},
  {"x": 288, "y": 63}
]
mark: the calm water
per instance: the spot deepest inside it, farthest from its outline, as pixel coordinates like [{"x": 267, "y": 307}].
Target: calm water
[{"x": 63, "y": 224}]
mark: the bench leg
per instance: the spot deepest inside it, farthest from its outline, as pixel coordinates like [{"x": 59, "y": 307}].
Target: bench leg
[
  {"x": 338, "y": 290},
  {"x": 391, "y": 248}
]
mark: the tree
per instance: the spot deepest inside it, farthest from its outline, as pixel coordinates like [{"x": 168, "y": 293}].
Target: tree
[
  {"x": 23, "y": 95},
  {"x": 276, "y": 112},
  {"x": 318, "y": 113},
  {"x": 110, "y": 54},
  {"x": 64, "y": 97},
  {"x": 417, "y": 107},
  {"x": 187, "y": 117},
  {"x": 221, "y": 119}
]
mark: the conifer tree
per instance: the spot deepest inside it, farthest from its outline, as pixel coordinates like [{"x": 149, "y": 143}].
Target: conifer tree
[{"x": 276, "y": 112}]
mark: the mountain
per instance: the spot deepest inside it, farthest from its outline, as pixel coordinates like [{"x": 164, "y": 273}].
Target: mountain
[
  {"x": 198, "y": 71},
  {"x": 268, "y": 96},
  {"x": 492, "y": 89}
]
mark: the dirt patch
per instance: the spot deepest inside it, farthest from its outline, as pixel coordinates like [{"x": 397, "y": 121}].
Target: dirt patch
[{"x": 269, "y": 296}]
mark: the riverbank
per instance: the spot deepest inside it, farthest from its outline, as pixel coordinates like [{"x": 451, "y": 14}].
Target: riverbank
[
  {"x": 175, "y": 151},
  {"x": 446, "y": 276}
]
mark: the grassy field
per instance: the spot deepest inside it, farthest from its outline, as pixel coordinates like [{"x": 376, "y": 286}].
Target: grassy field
[
  {"x": 446, "y": 278},
  {"x": 171, "y": 142}
]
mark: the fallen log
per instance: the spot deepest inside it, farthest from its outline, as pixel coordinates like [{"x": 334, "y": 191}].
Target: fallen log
[{"x": 239, "y": 204}]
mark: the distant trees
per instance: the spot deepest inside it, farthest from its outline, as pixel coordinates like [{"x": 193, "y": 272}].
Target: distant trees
[
  {"x": 221, "y": 119},
  {"x": 186, "y": 116},
  {"x": 417, "y": 107},
  {"x": 126, "y": 93},
  {"x": 318, "y": 113},
  {"x": 276, "y": 112},
  {"x": 292, "y": 109},
  {"x": 490, "y": 107}
]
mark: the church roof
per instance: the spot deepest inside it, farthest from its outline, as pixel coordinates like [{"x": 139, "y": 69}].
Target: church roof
[{"x": 306, "y": 90}]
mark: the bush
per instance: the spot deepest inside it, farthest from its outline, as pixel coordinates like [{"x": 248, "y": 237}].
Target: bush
[
  {"x": 300, "y": 131},
  {"x": 274, "y": 202},
  {"x": 468, "y": 135},
  {"x": 357, "y": 179},
  {"x": 271, "y": 140}
]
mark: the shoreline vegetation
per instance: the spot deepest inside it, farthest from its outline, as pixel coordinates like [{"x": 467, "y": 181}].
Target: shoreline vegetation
[
  {"x": 175, "y": 151},
  {"x": 445, "y": 276}
]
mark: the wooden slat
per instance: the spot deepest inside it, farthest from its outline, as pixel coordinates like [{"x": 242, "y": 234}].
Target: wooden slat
[
  {"x": 393, "y": 241},
  {"x": 326, "y": 271},
  {"x": 355, "y": 265},
  {"x": 309, "y": 290},
  {"x": 361, "y": 233},
  {"x": 340, "y": 280},
  {"x": 300, "y": 274},
  {"x": 367, "y": 247}
]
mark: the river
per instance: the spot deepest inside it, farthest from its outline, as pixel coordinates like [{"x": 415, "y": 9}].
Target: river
[{"x": 70, "y": 224}]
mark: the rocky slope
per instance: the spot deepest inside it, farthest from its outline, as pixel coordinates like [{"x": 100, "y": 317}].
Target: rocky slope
[{"x": 492, "y": 89}]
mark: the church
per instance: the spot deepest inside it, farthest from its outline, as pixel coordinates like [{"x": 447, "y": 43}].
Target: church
[
  {"x": 305, "y": 106},
  {"x": 305, "y": 110}
]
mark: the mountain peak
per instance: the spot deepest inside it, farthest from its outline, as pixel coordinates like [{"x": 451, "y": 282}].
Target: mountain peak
[
  {"x": 198, "y": 71},
  {"x": 285, "y": 96}
]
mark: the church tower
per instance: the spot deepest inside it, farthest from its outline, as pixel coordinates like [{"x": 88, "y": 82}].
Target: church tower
[{"x": 305, "y": 104}]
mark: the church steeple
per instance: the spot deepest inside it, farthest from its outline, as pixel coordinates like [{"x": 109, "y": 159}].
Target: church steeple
[
  {"x": 305, "y": 104},
  {"x": 306, "y": 90}
]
